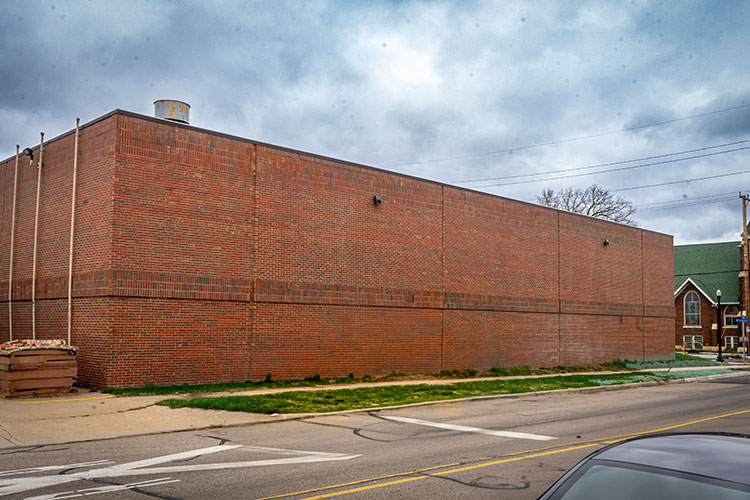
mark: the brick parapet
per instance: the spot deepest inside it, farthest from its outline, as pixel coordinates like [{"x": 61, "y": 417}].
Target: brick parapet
[
  {"x": 336, "y": 294},
  {"x": 332, "y": 294},
  {"x": 129, "y": 283},
  {"x": 659, "y": 311},
  {"x": 144, "y": 284},
  {"x": 597, "y": 307}
]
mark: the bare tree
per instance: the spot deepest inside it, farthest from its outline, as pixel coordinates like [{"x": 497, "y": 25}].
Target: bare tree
[{"x": 594, "y": 200}]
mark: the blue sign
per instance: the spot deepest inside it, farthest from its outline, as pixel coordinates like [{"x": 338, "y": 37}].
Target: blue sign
[{"x": 743, "y": 319}]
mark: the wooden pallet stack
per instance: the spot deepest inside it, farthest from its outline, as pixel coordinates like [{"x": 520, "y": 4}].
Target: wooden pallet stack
[{"x": 31, "y": 368}]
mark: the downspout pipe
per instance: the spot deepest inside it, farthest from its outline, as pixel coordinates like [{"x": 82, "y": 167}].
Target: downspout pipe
[
  {"x": 36, "y": 237},
  {"x": 72, "y": 226},
  {"x": 12, "y": 237}
]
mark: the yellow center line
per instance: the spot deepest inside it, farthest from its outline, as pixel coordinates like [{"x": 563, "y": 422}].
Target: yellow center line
[
  {"x": 365, "y": 488},
  {"x": 540, "y": 452},
  {"x": 59, "y": 400},
  {"x": 451, "y": 471},
  {"x": 360, "y": 481},
  {"x": 692, "y": 422}
]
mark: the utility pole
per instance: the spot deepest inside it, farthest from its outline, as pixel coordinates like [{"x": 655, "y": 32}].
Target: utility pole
[{"x": 746, "y": 278}]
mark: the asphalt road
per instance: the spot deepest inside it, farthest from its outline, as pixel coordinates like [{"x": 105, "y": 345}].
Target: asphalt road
[{"x": 494, "y": 448}]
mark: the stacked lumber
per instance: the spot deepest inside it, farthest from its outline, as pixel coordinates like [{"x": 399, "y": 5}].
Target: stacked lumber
[{"x": 36, "y": 367}]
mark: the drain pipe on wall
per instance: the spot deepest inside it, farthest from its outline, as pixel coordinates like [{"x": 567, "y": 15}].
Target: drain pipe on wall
[
  {"x": 12, "y": 236},
  {"x": 72, "y": 226},
  {"x": 36, "y": 237}
]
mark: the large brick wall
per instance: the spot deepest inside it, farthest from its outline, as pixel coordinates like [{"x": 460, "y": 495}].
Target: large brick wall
[
  {"x": 92, "y": 244},
  {"x": 294, "y": 340},
  {"x": 201, "y": 257}
]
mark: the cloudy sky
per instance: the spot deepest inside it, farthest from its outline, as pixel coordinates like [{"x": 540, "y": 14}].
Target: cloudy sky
[{"x": 652, "y": 96}]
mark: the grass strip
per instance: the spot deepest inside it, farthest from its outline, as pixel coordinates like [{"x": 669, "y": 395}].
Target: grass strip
[
  {"x": 682, "y": 357},
  {"x": 321, "y": 401},
  {"x": 317, "y": 380}
]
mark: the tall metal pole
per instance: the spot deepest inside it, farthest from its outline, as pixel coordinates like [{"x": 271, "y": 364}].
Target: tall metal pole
[
  {"x": 746, "y": 274},
  {"x": 719, "y": 358},
  {"x": 36, "y": 238},
  {"x": 72, "y": 226},
  {"x": 12, "y": 237}
]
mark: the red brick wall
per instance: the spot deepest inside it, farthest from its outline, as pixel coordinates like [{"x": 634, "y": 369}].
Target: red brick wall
[
  {"x": 91, "y": 325},
  {"x": 92, "y": 243},
  {"x": 201, "y": 257},
  {"x": 658, "y": 270},
  {"x": 297, "y": 340},
  {"x": 317, "y": 223},
  {"x": 344, "y": 285},
  {"x": 501, "y": 273},
  {"x": 658, "y": 338},
  {"x": 594, "y": 338},
  {"x": 597, "y": 278},
  {"x": 485, "y": 339},
  {"x": 177, "y": 341},
  {"x": 183, "y": 202},
  {"x": 500, "y": 254},
  {"x": 182, "y": 256}
]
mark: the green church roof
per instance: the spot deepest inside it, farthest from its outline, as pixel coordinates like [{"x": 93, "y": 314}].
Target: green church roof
[{"x": 710, "y": 266}]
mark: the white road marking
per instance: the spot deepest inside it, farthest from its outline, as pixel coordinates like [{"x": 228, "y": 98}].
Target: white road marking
[
  {"x": 104, "y": 489},
  {"x": 53, "y": 467},
  {"x": 17, "y": 485},
  {"x": 166, "y": 458},
  {"x": 462, "y": 428},
  {"x": 321, "y": 457}
]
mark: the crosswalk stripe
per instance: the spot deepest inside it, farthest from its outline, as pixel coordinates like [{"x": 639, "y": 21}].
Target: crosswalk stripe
[{"x": 463, "y": 428}]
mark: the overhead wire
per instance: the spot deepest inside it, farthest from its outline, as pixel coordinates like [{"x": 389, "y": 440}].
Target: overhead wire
[
  {"x": 621, "y": 162},
  {"x": 685, "y": 205},
  {"x": 681, "y": 181},
  {"x": 633, "y": 188},
  {"x": 710, "y": 272},
  {"x": 655, "y": 206},
  {"x": 692, "y": 198},
  {"x": 563, "y": 141},
  {"x": 663, "y": 162}
]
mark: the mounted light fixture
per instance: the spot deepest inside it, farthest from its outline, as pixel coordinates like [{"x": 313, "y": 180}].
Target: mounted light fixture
[
  {"x": 606, "y": 242},
  {"x": 376, "y": 200},
  {"x": 28, "y": 152}
]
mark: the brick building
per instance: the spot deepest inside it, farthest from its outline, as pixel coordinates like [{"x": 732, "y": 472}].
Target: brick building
[{"x": 203, "y": 257}]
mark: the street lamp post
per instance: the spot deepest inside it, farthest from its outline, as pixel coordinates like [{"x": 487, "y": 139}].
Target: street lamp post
[{"x": 719, "y": 358}]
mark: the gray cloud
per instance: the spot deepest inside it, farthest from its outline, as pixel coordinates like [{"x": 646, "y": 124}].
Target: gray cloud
[
  {"x": 393, "y": 83},
  {"x": 728, "y": 126}
]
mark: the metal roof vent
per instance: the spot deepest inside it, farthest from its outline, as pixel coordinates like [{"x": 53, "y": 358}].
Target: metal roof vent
[{"x": 168, "y": 109}]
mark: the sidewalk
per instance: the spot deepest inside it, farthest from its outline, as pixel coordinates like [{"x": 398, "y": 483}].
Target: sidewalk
[{"x": 90, "y": 415}]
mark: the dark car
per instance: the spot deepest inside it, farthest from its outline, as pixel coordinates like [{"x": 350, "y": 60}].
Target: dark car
[{"x": 661, "y": 467}]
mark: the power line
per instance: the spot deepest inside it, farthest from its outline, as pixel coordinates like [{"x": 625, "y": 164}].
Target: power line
[
  {"x": 621, "y": 162},
  {"x": 562, "y": 141},
  {"x": 671, "y": 183},
  {"x": 706, "y": 273},
  {"x": 663, "y": 162},
  {"x": 685, "y": 205},
  {"x": 685, "y": 199},
  {"x": 686, "y": 202},
  {"x": 681, "y": 181}
]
